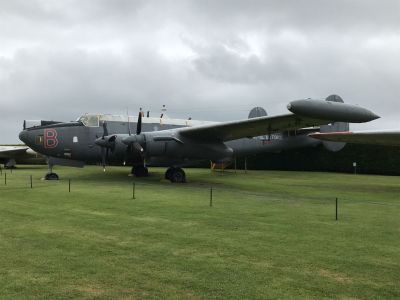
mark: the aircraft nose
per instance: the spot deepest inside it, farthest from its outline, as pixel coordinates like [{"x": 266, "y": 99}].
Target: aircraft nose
[{"x": 23, "y": 136}]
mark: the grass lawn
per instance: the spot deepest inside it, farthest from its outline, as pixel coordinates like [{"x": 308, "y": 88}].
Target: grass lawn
[{"x": 268, "y": 235}]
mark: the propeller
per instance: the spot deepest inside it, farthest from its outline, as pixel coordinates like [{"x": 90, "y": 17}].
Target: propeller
[
  {"x": 139, "y": 124},
  {"x": 134, "y": 142},
  {"x": 104, "y": 151},
  {"x": 129, "y": 125},
  {"x": 136, "y": 145},
  {"x": 105, "y": 130},
  {"x": 106, "y": 143}
]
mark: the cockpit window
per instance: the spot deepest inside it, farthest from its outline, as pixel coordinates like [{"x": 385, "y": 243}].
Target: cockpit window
[
  {"x": 90, "y": 120},
  {"x": 39, "y": 140},
  {"x": 93, "y": 120}
]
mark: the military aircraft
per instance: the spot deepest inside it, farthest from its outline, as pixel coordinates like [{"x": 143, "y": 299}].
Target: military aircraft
[
  {"x": 176, "y": 143},
  {"x": 11, "y": 154},
  {"x": 374, "y": 137}
]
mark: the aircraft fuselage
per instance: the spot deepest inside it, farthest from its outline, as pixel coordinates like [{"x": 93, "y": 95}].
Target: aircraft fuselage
[{"x": 75, "y": 141}]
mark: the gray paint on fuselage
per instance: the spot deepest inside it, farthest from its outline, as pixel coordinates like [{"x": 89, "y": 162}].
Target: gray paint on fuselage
[
  {"x": 85, "y": 149},
  {"x": 244, "y": 147}
]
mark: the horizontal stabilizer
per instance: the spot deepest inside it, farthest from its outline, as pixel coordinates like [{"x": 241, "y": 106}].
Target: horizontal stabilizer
[{"x": 380, "y": 137}]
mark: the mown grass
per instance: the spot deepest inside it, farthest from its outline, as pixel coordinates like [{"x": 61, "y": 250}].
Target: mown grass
[{"x": 268, "y": 235}]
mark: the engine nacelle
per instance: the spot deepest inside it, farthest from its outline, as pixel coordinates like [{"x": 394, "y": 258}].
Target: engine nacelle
[{"x": 183, "y": 148}]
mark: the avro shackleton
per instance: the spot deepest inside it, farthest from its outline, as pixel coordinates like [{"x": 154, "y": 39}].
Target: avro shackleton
[{"x": 175, "y": 143}]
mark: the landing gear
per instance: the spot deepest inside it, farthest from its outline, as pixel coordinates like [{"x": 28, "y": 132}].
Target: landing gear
[
  {"x": 168, "y": 173},
  {"x": 140, "y": 171},
  {"x": 175, "y": 175},
  {"x": 51, "y": 176}
]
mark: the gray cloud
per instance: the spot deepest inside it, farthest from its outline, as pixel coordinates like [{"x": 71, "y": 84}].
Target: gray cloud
[{"x": 207, "y": 59}]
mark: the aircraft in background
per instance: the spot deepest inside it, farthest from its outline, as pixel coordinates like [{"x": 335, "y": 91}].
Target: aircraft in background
[
  {"x": 10, "y": 155},
  {"x": 373, "y": 137},
  {"x": 176, "y": 143}
]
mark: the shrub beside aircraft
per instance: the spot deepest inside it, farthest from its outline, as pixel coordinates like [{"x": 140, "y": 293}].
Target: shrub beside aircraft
[{"x": 176, "y": 143}]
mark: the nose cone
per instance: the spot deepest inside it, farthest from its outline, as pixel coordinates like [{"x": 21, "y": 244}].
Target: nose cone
[
  {"x": 28, "y": 137},
  {"x": 23, "y": 136}
]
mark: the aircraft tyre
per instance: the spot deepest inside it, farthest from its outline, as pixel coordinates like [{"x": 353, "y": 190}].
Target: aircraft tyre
[
  {"x": 51, "y": 176},
  {"x": 140, "y": 171},
  {"x": 168, "y": 173},
  {"x": 177, "y": 175}
]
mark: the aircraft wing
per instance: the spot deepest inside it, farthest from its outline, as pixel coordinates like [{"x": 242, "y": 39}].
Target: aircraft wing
[
  {"x": 233, "y": 130},
  {"x": 12, "y": 151},
  {"x": 305, "y": 113},
  {"x": 379, "y": 137}
]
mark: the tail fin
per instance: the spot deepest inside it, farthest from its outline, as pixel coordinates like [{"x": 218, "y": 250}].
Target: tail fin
[{"x": 257, "y": 112}]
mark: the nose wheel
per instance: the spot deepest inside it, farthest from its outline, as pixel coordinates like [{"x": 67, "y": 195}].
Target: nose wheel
[
  {"x": 51, "y": 176},
  {"x": 175, "y": 175}
]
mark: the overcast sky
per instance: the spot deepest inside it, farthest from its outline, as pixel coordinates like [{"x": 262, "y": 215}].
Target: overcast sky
[{"x": 211, "y": 60}]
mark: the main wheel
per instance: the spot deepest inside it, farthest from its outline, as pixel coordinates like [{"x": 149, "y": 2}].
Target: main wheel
[
  {"x": 51, "y": 176},
  {"x": 140, "y": 171},
  {"x": 168, "y": 173},
  {"x": 177, "y": 175}
]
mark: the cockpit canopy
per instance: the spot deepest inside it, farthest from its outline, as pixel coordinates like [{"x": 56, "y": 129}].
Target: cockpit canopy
[
  {"x": 94, "y": 120},
  {"x": 37, "y": 123},
  {"x": 89, "y": 120}
]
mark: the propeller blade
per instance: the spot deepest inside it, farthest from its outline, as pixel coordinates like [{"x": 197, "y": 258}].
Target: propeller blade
[
  {"x": 105, "y": 130},
  {"x": 129, "y": 125},
  {"x": 106, "y": 145},
  {"x": 127, "y": 153},
  {"x": 139, "y": 124},
  {"x": 103, "y": 159}
]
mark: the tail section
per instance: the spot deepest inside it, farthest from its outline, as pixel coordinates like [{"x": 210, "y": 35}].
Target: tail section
[{"x": 257, "y": 112}]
